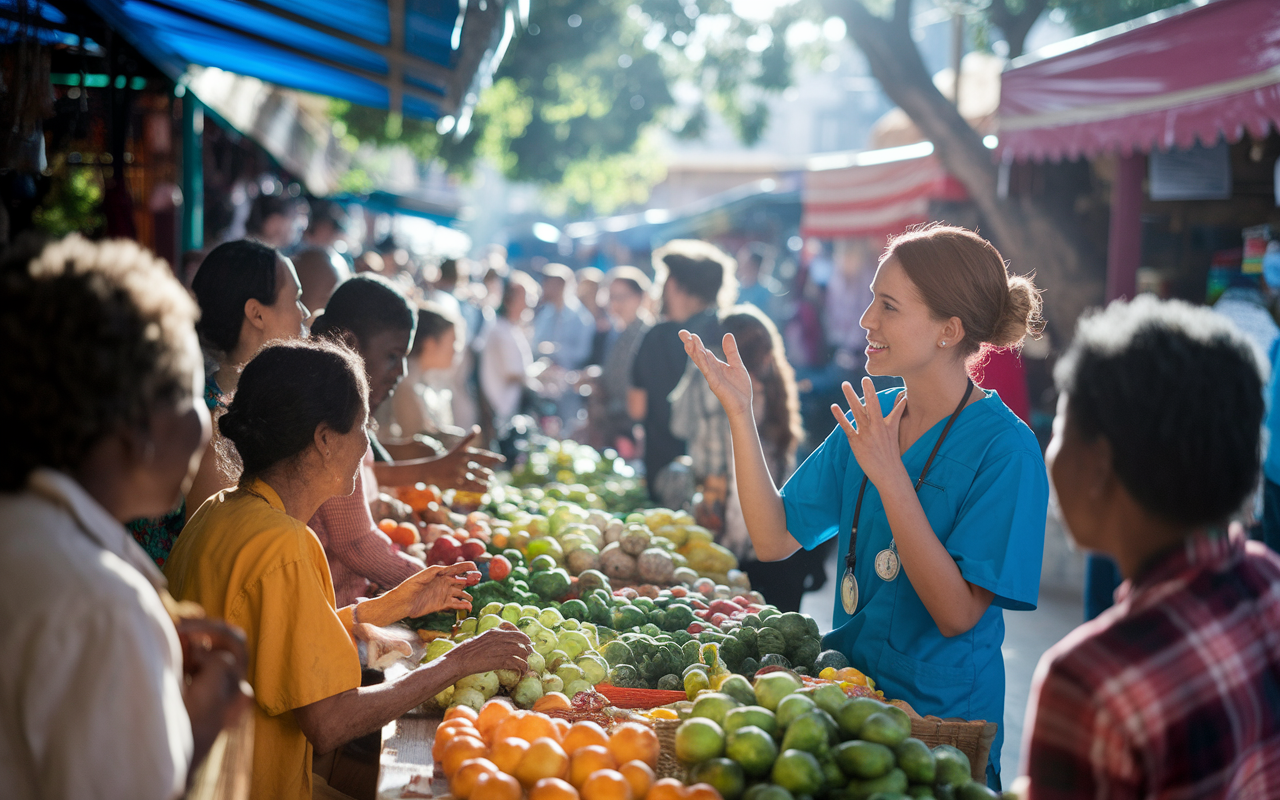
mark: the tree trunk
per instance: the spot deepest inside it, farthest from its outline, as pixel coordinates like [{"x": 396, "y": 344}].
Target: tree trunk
[{"x": 1029, "y": 237}]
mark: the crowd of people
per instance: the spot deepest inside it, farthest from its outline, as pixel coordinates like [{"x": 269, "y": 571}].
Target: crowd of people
[{"x": 190, "y": 483}]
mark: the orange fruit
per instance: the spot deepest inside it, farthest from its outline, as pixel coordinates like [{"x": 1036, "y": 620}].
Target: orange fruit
[
  {"x": 491, "y": 713},
  {"x": 509, "y": 726},
  {"x": 552, "y": 701},
  {"x": 497, "y": 786},
  {"x": 587, "y": 760},
  {"x": 543, "y": 759},
  {"x": 552, "y": 789},
  {"x": 506, "y": 753},
  {"x": 562, "y": 729},
  {"x": 640, "y": 776},
  {"x": 606, "y": 784},
  {"x": 702, "y": 791},
  {"x": 632, "y": 741},
  {"x": 387, "y": 525},
  {"x": 581, "y": 734},
  {"x": 667, "y": 789},
  {"x": 459, "y": 750},
  {"x": 461, "y": 712},
  {"x": 447, "y": 732},
  {"x": 536, "y": 726},
  {"x": 464, "y": 780}
]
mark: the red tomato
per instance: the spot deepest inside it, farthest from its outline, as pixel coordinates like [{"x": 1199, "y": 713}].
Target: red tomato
[{"x": 499, "y": 568}]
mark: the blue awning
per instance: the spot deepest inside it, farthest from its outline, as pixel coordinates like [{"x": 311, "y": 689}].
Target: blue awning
[
  {"x": 391, "y": 203},
  {"x": 422, "y": 58}
]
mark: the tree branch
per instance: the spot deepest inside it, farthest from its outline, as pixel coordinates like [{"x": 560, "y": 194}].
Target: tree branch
[
  {"x": 902, "y": 14},
  {"x": 1015, "y": 27}
]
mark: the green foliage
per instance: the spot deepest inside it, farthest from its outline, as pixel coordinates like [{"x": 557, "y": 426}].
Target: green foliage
[
  {"x": 581, "y": 89},
  {"x": 74, "y": 201},
  {"x": 1091, "y": 15}
]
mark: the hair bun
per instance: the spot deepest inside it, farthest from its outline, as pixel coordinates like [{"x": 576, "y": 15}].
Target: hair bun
[{"x": 1020, "y": 316}]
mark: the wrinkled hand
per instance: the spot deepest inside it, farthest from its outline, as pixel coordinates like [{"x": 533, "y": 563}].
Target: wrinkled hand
[
  {"x": 728, "y": 381},
  {"x": 872, "y": 436},
  {"x": 214, "y": 659},
  {"x": 465, "y": 468},
  {"x": 436, "y": 589},
  {"x": 504, "y": 647}
]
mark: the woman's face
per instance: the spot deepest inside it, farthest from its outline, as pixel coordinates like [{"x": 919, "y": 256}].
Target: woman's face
[
  {"x": 439, "y": 353},
  {"x": 177, "y": 435},
  {"x": 385, "y": 362},
  {"x": 348, "y": 451},
  {"x": 624, "y": 303},
  {"x": 902, "y": 335},
  {"x": 1073, "y": 466},
  {"x": 284, "y": 318}
]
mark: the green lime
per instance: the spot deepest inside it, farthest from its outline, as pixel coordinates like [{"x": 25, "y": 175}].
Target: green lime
[
  {"x": 894, "y": 782},
  {"x": 771, "y": 688},
  {"x": 830, "y": 698},
  {"x": 713, "y": 706},
  {"x": 921, "y": 792},
  {"x": 797, "y": 771},
  {"x": 863, "y": 760},
  {"x": 974, "y": 791},
  {"x": 753, "y": 748},
  {"x": 884, "y": 729},
  {"x": 698, "y": 739},
  {"x": 695, "y": 681},
  {"x": 793, "y": 706},
  {"x": 739, "y": 688},
  {"x": 832, "y": 777},
  {"x": 855, "y": 712},
  {"x": 916, "y": 759},
  {"x": 756, "y": 716},
  {"x": 723, "y": 774},
  {"x": 808, "y": 732},
  {"x": 952, "y": 765},
  {"x": 767, "y": 791}
]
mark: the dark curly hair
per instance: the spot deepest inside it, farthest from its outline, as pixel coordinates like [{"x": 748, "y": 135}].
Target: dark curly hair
[
  {"x": 96, "y": 337},
  {"x": 285, "y": 392},
  {"x": 1177, "y": 392},
  {"x": 230, "y": 276},
  {"x": 365, "y": 306}
]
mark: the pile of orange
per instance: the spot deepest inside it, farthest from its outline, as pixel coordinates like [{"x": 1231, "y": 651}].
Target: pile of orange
[{"x": 503, "y": 753}]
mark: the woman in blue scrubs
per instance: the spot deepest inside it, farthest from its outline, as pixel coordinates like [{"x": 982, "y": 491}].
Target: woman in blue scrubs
[{"x": 939, "y": 487}]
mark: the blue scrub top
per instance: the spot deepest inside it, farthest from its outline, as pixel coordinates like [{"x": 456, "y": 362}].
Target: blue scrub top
[{"x": 986, "y": 497}]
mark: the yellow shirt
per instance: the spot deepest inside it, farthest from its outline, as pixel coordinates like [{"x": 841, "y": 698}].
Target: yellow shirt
[{"x": 244, "y": 559}]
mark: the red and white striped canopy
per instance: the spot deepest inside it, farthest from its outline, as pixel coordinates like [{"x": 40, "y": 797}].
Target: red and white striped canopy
[{"x": 874, "y": 199}]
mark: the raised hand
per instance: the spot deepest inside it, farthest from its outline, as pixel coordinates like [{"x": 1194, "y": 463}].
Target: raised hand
[
  {"x": 872, "y": 436},
  {"x": 504, "y": 647},
  {"x": 728, "y": 381},
  {"x": 435, "y": 589},
  {"x": 466, "y": 468}
]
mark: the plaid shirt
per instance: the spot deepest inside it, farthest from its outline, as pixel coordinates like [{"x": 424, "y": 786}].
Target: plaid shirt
[{"x": 1172, "y": 693}]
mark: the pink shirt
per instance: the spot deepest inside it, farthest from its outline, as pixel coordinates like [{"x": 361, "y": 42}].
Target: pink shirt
[{"x": 359, "y": 553}]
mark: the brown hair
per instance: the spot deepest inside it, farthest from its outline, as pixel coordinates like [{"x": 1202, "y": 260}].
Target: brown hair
[
  {"x": 699, "y": 268},
  {"x": 765, "y": 359},
  {"x": 960, "y": 274}
]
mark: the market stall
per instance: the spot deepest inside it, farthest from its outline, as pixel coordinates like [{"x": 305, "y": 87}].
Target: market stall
[{"x": 657, "y": 672}]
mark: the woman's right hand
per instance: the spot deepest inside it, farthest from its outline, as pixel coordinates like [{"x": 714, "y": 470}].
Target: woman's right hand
[
  {"x": 729, "y": 382},
  {"x": 503, "y": 647}
]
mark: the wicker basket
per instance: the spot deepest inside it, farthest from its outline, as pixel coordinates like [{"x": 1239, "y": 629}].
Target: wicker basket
[
  {"x": 971, "y": 737},
  {"x": 668, "y": 765}
]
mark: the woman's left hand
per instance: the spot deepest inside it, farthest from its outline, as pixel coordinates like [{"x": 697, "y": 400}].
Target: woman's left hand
[
  {"x": 437, "y": 588},
  {"x": 872, "y": 436}
]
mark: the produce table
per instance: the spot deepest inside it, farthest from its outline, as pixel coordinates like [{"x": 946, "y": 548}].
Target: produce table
[{"x": 406, "y": 768}]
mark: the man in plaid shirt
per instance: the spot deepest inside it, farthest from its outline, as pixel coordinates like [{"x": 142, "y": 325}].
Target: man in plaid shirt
[{"x": 1175, "y": 691}]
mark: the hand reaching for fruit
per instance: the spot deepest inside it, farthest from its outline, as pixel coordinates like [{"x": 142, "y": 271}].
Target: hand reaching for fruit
[{"x": 434, "y": 589}]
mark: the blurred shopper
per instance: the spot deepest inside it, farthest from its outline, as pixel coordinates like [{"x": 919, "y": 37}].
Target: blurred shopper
[
  {"x": 421, "y": 406},
  {"x": 455, "y": 289},
  {"x": 590, "y": 290},
  {"x": 297, "y": 426},
  {"x": 562, "y": 334},
  {"x": 1173, "y": 691},
  {"x": 506, "y": 364},
  {"x": 249, "y": 295},
  {"x": 755, "y": 278},
  {"x": 102, "y": 696},
  {"x": 319, "y": 265},
  {"x": 628, "y": 288},
  {"x": 276, "y": 220},
  {"x": 699, "y": 417},
  {"x": 696, "y": 280}
]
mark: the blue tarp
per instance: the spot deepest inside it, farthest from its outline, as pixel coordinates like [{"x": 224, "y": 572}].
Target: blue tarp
[{"x": 333, "y": 50}]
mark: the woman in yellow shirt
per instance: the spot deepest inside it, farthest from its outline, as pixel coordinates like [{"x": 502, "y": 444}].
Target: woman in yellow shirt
[{"x": 297, "y": 425}]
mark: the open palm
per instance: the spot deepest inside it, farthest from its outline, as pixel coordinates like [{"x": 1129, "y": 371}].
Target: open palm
[{"x": 728, "y": 380}]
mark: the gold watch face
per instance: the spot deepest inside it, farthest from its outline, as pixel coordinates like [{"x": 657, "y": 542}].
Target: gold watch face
[
  {"x": 849, "y": 592},
  {"x": 887, "y": 565}
]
